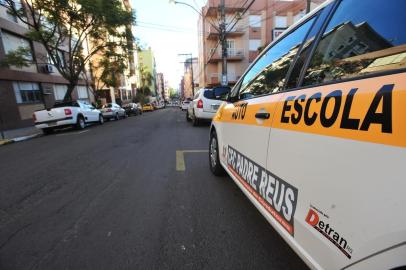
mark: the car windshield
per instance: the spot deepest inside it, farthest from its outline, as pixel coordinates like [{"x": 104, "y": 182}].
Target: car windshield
[
  {"x": 66, "y": 104},
  {"x": 109, "y": 105}
]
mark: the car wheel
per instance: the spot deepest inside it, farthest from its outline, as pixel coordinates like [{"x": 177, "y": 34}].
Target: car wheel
[
  {"x": 117, "y": 117},
  {"x": 214, "y": 160},
  {"x": 196, "y": 121},
  {"x": 101, "y": 119},
  {"x": 47, "y": 131},
  {"x": 80, "y": 123},
  {"x": 187, "y": 116}
]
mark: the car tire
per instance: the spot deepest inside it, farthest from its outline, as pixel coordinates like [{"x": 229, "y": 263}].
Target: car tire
[
  {"x": 196, "y": 121},
  {"x": 117, "y": 117},
  {"x": 214, "y": 160},
  {"x": 101, "y": 119},
  {"x": 80, "y": 122},
  {"x": 48, "y": 131},
  {"x": 188, "y": 116}
]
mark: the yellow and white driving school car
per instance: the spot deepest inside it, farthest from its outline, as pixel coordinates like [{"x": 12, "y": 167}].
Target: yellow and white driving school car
[{"x": 314, "y": 134}]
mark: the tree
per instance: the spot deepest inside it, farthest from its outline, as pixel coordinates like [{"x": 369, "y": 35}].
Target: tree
[
  {"x": 146, "y": 80},
  {"x": 72, "y": 32}
]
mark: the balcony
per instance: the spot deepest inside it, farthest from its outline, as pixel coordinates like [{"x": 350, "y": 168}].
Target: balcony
[
  {"x": 232, "y": 55},
  {"x": 213, "y": 34},
  {"x": 215, "y": 78},
  {"x": 211, "y": 8}
]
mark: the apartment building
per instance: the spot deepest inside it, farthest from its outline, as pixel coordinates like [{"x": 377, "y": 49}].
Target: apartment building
[
  {"x": 191, "y": 66},
  {"x": 27, "y": 89},
  {"x": 125, "y": 89},
  {"x": 160, "y": 85},
  {"x": 146, "y": 62},
  {"x": 264, "y": 21},
  {"x": 167, "y": 93}
]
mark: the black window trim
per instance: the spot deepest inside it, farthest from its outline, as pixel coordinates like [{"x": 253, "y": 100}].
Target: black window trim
[
  {"x": 271, "y": 45},
  {"x": 357, "y": 78}
]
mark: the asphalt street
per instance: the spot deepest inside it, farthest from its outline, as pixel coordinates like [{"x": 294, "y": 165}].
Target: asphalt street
[{"x": 110, "y": 197}]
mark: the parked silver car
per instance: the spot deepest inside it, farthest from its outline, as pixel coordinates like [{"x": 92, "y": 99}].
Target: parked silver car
[{"x": 113, "y": 111}]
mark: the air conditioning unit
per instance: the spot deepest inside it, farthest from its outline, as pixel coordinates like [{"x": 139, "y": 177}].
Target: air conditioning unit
[{"x": 49, "y": 69}]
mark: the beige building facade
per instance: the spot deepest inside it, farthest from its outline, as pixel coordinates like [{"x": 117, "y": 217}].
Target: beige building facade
[{"x": 254, "y": 30}]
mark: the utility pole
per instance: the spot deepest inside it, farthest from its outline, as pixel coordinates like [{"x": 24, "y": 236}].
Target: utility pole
[
  {"x": 191, "y": 71},
  {"x": 308, "y": 5},
  {"x": 223, "y": 41}
]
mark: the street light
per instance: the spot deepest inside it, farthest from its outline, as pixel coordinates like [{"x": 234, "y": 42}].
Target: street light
[{"x": 198, "y": 12}]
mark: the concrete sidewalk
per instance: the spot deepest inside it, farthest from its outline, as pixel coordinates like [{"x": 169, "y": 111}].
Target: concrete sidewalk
[{"x": 17, "y": 135}]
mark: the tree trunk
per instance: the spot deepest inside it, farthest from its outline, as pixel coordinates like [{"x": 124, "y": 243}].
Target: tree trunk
[{"x": 68, "y": 95}]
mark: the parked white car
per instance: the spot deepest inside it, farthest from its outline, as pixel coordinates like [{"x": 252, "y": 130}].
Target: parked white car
[
  {"x": 64, "y": 114},
  {"x": 113, "y": 111},
  {"x": 204, "y": 105},
  {"x": 185, "y": 104}
]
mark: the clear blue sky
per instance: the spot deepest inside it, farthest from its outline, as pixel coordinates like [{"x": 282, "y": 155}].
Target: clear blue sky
[{"x": 169, "y": 30}]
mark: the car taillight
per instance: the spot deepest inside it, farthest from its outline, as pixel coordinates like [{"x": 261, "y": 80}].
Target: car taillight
[
  {"x": 200, "y": 104},
  {"x": 68, "y": 111},
  {"x": 109, "y": 110},
  {"x": 34, "y": 117}
]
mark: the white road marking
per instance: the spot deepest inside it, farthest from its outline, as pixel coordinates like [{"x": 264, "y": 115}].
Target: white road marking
[{"x": 73, "y": 133}]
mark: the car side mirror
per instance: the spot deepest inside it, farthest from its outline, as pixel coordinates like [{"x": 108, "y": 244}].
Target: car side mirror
[{"x": 221, "y": 92}]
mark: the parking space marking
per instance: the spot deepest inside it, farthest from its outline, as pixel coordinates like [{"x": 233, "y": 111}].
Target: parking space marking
[{"x": 180, "y": 158}]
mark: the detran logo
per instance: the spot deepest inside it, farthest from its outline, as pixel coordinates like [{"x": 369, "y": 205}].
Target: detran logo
[{"x": 314, "y": 219}]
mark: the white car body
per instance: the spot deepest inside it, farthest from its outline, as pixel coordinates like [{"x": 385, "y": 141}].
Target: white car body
[
  {"x": 66, "y": 115},
  {"x": 184, "y": 105},
  {"x": 334, "y": 192},
  {"x": 204, "y": 105},
  {"x": 112, "y": 110}
]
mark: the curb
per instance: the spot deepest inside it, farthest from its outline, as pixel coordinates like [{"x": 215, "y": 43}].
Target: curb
[{"x": 19, "y": 139}]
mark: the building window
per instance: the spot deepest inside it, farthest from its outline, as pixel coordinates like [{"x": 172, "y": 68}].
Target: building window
[
  {"x": 16, "y": 4},
  {"x": 255, "y": 20},
  {"x": 281, "y": 21},
  {"x": 254, "y": 44},
  {"x": 27, "y": 92},
  {"x": 375, "y": 42},
  {"x": 60, "y": 91},
  {"x": 61, "y": 57},
  {"x": 12, "y": 42},
  {"x": 82, "y": 92}
]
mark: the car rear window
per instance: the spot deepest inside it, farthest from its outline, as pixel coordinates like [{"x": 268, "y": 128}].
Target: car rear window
[
  {"x": 66, "y": 104},
  {"x": 209, "y": 94}
]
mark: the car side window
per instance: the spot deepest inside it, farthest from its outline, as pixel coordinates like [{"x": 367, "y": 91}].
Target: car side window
[
  {"x": 359, "y": 40},
  {"x": 294, "y": 76},
  {"x": 268, "y": 74}
]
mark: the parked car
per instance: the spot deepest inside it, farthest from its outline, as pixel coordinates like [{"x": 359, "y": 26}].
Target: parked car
[
  {"x": 113, "y": 111},
  {"x": 204, "y": 105},
  {"x": 185, "y": 104},
  {"x": 63, "y": 114},
  {"x": 132, "y": 109},
  {"x": 148, "y": 107},
  {"x": 314, "y": 133}
]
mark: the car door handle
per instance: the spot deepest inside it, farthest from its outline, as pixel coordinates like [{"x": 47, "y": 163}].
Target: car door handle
[{"x": 262, "y": 115}]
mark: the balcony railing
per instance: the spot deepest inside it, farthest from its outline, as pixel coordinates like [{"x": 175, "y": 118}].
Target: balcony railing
[
  {"x": 232, "y": 54},
  {"x": 215, "y": 78}
]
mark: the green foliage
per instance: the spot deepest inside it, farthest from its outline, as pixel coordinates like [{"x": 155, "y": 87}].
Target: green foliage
[
  {"x": 173, "y": 93},
  {"x": 21, "y": 57},
  {"x": 69, "y": 24},
  {"x": 112, "y": 66}
]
